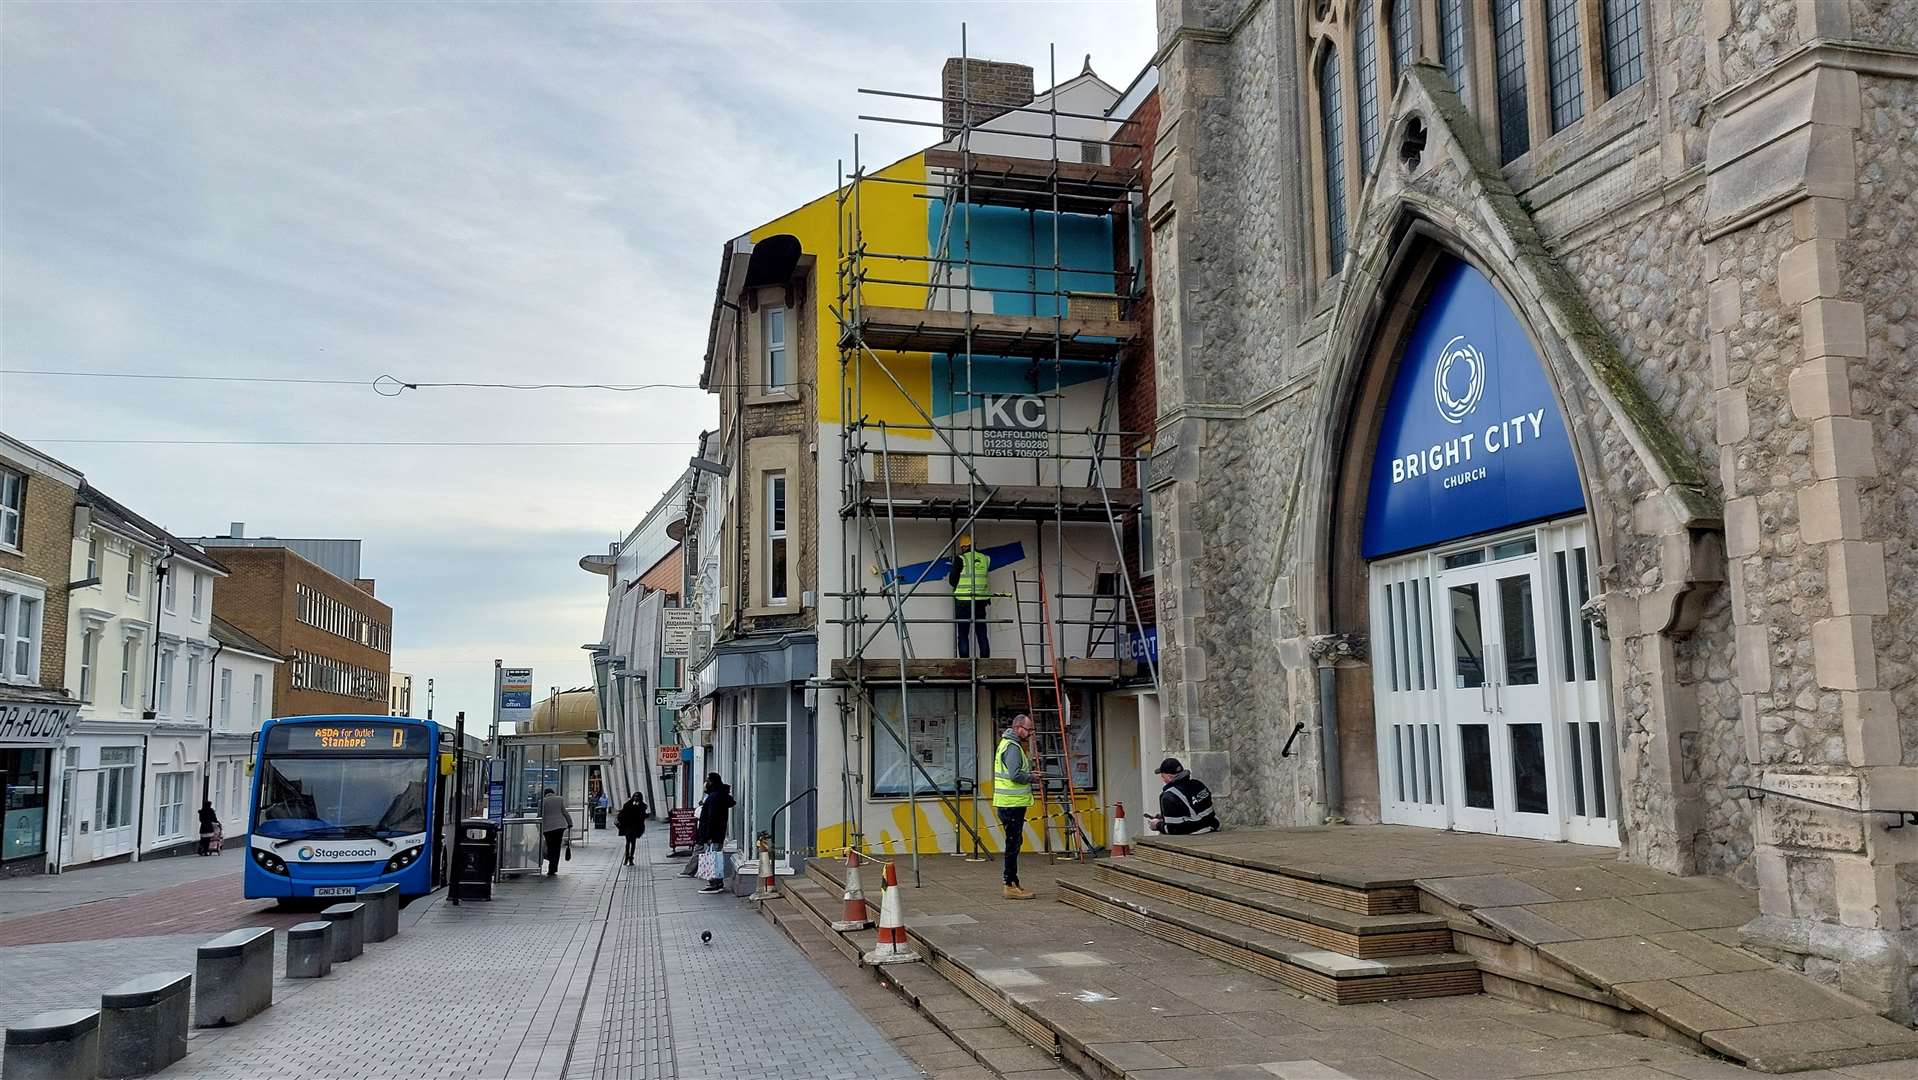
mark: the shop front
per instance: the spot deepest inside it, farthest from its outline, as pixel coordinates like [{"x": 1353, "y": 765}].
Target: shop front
[
  {"x": 1488, "y": 676},
  {"x": 762, "y": 738},
  {"x": 33, "y": 725}
]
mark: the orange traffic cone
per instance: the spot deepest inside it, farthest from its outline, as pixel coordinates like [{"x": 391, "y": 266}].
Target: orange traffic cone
[
  {"x": 768, "y": 875},
  {"x": 893, "y": 948},
  {"x": 1121, "y": 843},
  {"x": 857, "y": 914}
]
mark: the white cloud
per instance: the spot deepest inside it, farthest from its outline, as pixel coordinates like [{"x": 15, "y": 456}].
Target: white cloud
[{"x": 446, "y": 192}]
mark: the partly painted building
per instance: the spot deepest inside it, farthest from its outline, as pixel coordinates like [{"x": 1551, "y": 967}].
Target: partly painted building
[
  {"x": 1535, "y": 394},
  {"x": 973, "y": 386}
]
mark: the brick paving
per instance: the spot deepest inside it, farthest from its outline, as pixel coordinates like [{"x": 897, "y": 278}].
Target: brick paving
[
  {"x": 598, "y": 974},
  {"x": 86, "y": 884}
]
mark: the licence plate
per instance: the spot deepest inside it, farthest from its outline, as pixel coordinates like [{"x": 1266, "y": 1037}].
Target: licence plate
[{"x": 334, "y": 890}]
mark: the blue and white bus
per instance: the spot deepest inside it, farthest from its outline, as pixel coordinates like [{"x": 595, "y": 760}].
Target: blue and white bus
[{"x": 341, "y": 803}]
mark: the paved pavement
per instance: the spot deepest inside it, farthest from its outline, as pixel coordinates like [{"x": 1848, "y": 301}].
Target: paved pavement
[
  {"x": 86, "y": 884},
  {"x": 598, "y": 974}
]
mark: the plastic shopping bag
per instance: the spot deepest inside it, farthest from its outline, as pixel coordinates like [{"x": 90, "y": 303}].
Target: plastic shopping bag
[{"x": 708, "y": 865}]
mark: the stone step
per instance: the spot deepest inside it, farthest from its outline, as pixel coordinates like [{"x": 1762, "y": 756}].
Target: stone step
[
  {"x": 1324, "y": 974},
  {"x": 1361, "y": 897},
  {"x": 1367, "y": 937}
]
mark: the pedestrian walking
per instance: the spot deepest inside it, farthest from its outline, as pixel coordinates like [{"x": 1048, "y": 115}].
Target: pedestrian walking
[
  {"x": 1013, "y": 773},
  {"x": 554, "y": 820},
  {"x": 601, "y": 804},
  {"x": 1185, "y": 804},
  {"x": 971, "y": 597},
  {"x": 632, "y": 822},
  {"x": 209, "y": 827},
  {"x": 715, "y": 810}
]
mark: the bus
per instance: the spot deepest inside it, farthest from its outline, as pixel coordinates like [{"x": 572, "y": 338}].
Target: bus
[{"x": 341, "y": 803}]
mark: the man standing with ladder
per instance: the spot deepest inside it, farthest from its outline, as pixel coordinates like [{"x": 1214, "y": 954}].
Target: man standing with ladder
[{"x": 1013, "y": 774}]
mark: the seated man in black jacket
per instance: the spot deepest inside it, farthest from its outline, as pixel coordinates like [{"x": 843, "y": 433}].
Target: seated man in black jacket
[{"x": 1185, "y": 805}]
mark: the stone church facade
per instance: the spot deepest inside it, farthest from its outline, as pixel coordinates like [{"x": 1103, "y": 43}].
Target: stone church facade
[{"x": 1692, "y": 227}]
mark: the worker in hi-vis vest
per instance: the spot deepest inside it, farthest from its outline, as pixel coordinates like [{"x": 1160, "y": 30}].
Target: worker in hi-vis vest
[
  {"x": 1013, "y": 774},
  {"x": 971, "y": 594}
]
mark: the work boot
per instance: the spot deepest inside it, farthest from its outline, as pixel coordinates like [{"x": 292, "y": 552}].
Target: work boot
[{"x": 1018, "y": 892}]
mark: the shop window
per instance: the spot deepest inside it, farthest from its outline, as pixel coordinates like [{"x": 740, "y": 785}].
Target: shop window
[
  {"x": 1624, "y": 44},
  {"x": 939, "y": 728},
  {"x": 113, "y": 788},
  {"x": 219, "y": 790},
  {"x": 1010, "y": 702},
  {"x": 1332, "y": 136},
  {"x": 1564, "y": 63},
  {"x": 13, "y": 505},
  {"x": 1508, "y": 45},
  {"x": 23, "y": 827},
  {"x": 1365, "y": 58}
]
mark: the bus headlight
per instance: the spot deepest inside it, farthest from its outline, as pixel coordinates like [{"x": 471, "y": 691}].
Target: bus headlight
[
  {"x": 270, "y": 862},
  {"x": 403, "y": 860}
]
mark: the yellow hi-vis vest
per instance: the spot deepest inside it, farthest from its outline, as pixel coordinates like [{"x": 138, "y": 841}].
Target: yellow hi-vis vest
[
  {"x": 1005, "y": 790},
  {"x": 972, "y": 577}
]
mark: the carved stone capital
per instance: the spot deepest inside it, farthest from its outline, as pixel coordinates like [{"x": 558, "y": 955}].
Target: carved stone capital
[{"x": 1333, "y": 648}]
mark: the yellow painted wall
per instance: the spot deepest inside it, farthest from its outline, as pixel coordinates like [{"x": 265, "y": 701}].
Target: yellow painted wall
[
  {"x": 892, "y": 221},
  {"x": 890, "y": 825}
]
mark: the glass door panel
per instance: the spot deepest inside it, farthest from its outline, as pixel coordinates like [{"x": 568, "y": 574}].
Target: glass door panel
[
  {"x": 1521, "y": 706},
  {"x": 1465, "y": 658}
]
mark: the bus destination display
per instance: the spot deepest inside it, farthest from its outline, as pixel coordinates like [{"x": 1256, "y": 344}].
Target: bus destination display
[{"x": 341, "y": 737}]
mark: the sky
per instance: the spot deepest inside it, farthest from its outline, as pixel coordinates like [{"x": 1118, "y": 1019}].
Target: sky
[{"x": 438, "y": 192}]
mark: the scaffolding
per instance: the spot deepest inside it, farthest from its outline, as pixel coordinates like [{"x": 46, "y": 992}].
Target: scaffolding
[{"x": 1066, "y": 329}]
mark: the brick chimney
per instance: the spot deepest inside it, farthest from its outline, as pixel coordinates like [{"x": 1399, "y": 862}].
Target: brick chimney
[{"x": 993, "y": 87}]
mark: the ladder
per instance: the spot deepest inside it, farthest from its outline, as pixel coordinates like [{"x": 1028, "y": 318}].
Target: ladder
[
  {"x": 1051, "y": 712},
  {"x": 1103, "y": 633}
]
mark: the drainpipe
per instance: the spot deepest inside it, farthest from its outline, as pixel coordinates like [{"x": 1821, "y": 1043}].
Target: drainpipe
[
  {"x": 1329, "y": 739},
  {"x": 1327, "y": 650},
  {"x": 206, "y": 760}
]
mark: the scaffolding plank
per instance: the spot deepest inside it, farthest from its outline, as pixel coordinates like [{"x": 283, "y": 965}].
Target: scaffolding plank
[
  {"x": 1028, "y": 183},
  {"x": 1008, "y": 503},
  {"x": 878, "y": 672},
  {"x": 924, "y": 330}
]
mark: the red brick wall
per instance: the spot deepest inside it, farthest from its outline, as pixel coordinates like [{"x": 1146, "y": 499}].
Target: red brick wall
[
  {"x": 1138, "y": 386},
  {"x": 261, "y": 598}
]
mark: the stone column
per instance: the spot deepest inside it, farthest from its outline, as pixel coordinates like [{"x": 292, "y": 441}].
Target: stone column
[{"x": 1807, "y": 562}]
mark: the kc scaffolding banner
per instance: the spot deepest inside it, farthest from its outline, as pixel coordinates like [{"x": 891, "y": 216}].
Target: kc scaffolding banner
[
  {"x": 1015, "y": 425},
  {"x": 515, "y": 695}
]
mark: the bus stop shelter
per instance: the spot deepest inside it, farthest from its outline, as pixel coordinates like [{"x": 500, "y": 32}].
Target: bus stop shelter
[{"x": 533, "y": 762}]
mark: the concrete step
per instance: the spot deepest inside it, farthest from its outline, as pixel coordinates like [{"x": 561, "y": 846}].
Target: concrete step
[
  {"x": 1361, "y": 896},
  {"x": 1367, "y": 937},
  {"x": 1324, "y": 974}
]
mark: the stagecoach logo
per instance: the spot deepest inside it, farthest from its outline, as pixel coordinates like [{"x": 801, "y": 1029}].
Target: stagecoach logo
[
  {"x": 1460, "y": 366},
  {"x": 308, "y": 854}
]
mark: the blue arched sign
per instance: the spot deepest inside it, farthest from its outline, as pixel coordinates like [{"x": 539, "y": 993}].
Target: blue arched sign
[{"x": 1472, "y": 440}]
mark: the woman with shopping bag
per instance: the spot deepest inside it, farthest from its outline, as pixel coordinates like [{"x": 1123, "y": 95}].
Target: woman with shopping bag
[{"x": 715, "y": 810}]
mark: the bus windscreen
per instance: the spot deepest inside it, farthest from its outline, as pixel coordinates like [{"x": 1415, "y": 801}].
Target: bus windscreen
[{"x": 341, "y": 798}]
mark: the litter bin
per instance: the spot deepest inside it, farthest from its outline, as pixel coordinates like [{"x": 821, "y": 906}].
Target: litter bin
[{"x": 475, "y": 856}]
